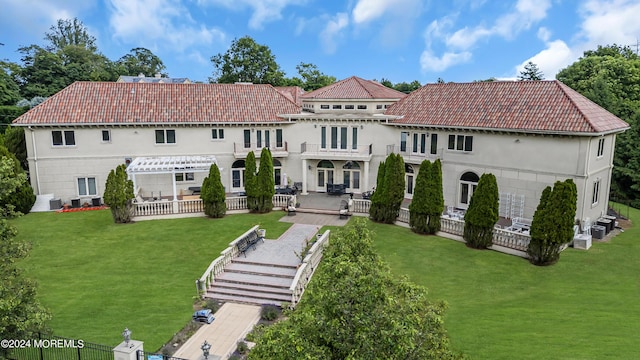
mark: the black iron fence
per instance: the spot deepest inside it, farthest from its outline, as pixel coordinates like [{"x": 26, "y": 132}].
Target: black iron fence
[{"x": 51, "y": 347}]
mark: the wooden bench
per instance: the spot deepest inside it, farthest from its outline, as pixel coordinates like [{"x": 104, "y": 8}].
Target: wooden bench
[{"x": 249, "y": 241}]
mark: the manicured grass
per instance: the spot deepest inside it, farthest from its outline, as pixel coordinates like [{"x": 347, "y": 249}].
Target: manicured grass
[
  {"x": 98, "y": 277},
  {"x": 586, "y": 306}
]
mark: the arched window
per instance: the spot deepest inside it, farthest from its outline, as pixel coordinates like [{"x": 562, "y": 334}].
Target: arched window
[
  {"x": 468, "y": 184},
  {"x": 409, "y": 179},
  {"x": 324, "y": 174},
  {"x": 351, "y": 176},
  {"x": 237, "y": 175},
  {"x": 325, "y": 164}
]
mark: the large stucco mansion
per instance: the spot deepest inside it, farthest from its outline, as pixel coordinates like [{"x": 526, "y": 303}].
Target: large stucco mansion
[{"x": 529, "y": 134}]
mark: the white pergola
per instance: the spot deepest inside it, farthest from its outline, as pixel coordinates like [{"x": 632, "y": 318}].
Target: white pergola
[{"x": 169, "y": 165}]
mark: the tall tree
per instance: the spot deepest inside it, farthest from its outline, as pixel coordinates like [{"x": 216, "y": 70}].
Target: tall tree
[
  {"x": 553, "y": 222},
  {"x": 118, "y": 194},
  {"x": 21, "y": 314},
  {"x": 418, "y": 209},
  {"x": 313, "y": 78},
  {"x": 9, "y": 89},
  {"x": 435, "y": 197},
  {"x": 378, "y": 197},
  {"x": 140, "y": 61},
  {"x": 43, "y": 72},
  {"x": 482, "y": 214},
  {"x": 609, "y": 76},
  {"x": 530, "y": 72},
  {"x": 355, "y": 308},
  {"x": 386, "y": 203},
  {"x": 250, "y": 182},
  {"x": 246, "y": 61},
  {"x": 69, "y": 32},
  {"x": 213, "y": 196},
  {"x": 23, "y": 198},
  {"x": 265, "y": 182}
]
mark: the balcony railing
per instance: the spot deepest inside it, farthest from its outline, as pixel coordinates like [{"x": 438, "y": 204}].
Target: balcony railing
[
  {"x": 241, "y": 148},
  {"x": 417, "y": 156},
  {"x": 306, "y": 148}
]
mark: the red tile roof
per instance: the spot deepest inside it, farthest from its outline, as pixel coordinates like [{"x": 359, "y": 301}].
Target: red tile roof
[
  {"x": 529, "y": 106},
  {"x": 294, "y": 93},
  {"x": 355, "y": 88},
  {"x": 127, "y": 103}
]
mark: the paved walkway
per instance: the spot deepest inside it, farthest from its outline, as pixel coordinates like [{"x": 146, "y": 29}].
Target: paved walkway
[
  {"x": 283, "y": 250},
  {"x": 232, "y": 323}
]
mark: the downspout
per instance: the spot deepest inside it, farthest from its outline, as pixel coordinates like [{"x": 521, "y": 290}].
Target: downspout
[{"x": 35, "y": 157}]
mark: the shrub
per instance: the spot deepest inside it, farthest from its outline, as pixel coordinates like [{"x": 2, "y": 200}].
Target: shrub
[
  {"x": 118, "y": 194},
  {"x": 212, "y": 305},
  {"x": 213, "y": 196},
  {"x": 482, "y": 214},
  {"x": 242, "y": 347},
  {"x": 265, "y": 182},
  {"x": 269, "y": 312},
  {"x": 23, "y": 198},
  {"x": 250, "y": 182}
]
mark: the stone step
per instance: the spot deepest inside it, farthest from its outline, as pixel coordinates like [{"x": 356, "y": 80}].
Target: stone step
[
  {"x": 318, "y": 211},
  {"x": 246, "y": 287},
  {"x": 260, "y": 280},
  {"x": 255, "y": 269},
  {"x": 243, "y": 300},
  {"x": 243, "y": 260},
  {"x": 215, "y": 291}
]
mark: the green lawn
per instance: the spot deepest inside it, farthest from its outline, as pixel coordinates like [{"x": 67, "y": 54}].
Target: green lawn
[
  {"x": 97, "y": 277},
  {"x": 587, "y": 306}
]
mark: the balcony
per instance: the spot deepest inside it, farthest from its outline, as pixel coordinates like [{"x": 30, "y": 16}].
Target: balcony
[
  {"x": 411, "y": 157},
  {"x": 240, "y": 150},
  {"x": 315, "y": 151}
]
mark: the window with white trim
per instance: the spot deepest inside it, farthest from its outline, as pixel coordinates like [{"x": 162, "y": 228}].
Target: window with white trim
[
  {"x": 349, "y": 107},
  {"x": 63, "y": 138},
  {"x": 185, "y": 176},
  {"x": 324, "y": 107},
  {"x": 106, "y": 136},
  {"x": 337, "y": 107},
  {"x": 217, "y": 134},
  {"x": 600, "y": 147},
  {"x": 87, "y": 186},
  {"x": 596, "y": 192},
  {"x": 461, "y": 143},
  {"x": 165, "y": 136},
  {"x": 362, "y": 107}
]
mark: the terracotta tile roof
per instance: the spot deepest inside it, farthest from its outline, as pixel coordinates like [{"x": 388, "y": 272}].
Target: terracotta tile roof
[
  {"x": 294, "y": 93},
  {"x": 125, "y": 103},
  {"x": 355, "y": 88},
  {"x": 529, "y": 106}
]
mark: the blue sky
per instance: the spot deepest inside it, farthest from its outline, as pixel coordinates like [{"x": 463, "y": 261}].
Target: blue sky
[{"x": 400, "y": 40}]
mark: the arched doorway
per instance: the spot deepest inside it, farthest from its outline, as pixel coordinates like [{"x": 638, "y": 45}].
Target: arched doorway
[
  {"x": 409, "y": 180},
  {"x": 324, "y": 175},
  {"x": 468, "y": 184},
  {"x": 237, "y": 176},
  {"x": 351, "y": 176}
]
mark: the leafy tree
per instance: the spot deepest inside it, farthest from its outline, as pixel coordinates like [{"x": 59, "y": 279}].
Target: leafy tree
[
  {"x": 21, "y": 314},
  {"x": 213, "y": 196},
  {"x": 407, "y": 87},
  {"x": 313, "y": 78},
  {"x": 246, "y": 61},
  {"x": 553, "y": 222},
  {"x": 43, "y": 72},
  {"x": 377, "y": 199},
  {"x": 140, "y": 61},
  {"x": 118, "y": 194},
  {"x": 69, "y": 32},
  {"x": 250, "y": 182},
  {"x": 482, "y": 214},
  {"x": 9, "y": 89},
  {"x": 609, "y": 76},
  {"x": 265, "y": 182},
  {"x": 22, "y": 198},
  {"x": 355, "y": 308},
  {"x": 530, "y": 72}
]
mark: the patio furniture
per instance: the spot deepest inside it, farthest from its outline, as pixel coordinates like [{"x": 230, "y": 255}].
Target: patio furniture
[
  {"x": 344, "y": 209},
  {"x": 335, "y": 189}
]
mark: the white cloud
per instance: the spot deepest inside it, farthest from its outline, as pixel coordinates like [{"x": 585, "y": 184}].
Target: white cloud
[
  {"x": 394, "y": 18},
  {"x": 264, "y": 11},
  {"x": 35, "y": 17},
  {"x": 460, "y": 42},
  {"x": 333, "y": 30},
  {"x": 156, "y": 22},
  {"x": 604, "y": 22},
  {"x": 431, "y": 62}
]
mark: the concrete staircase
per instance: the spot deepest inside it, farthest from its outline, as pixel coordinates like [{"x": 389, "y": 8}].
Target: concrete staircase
[{"x": 253, "y": 282}]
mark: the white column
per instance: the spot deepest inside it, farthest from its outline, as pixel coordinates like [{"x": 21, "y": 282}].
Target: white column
[
  {"x": 175, "y": 188},
  {"x": 135, "y": 188},
  {"x": 304, "y": 177},
  {"x": 365, "y": 178}
]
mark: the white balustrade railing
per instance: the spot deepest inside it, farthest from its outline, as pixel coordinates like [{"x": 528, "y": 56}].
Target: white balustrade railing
[
  {"x": 236, "y": 203},
  {"x": 153, "y": 208},
  {"x": 190, "y": 206},
  {"x": 361, "y": 206},
  {"x": 167, "y": 207},
  {"x": 217, "y": 266},
  {"x": 452, "y": 226},
  {"x": 403, "y": 215},
  {"x": 511, "y": 239},
  {"x": 308, "y": 267}
]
